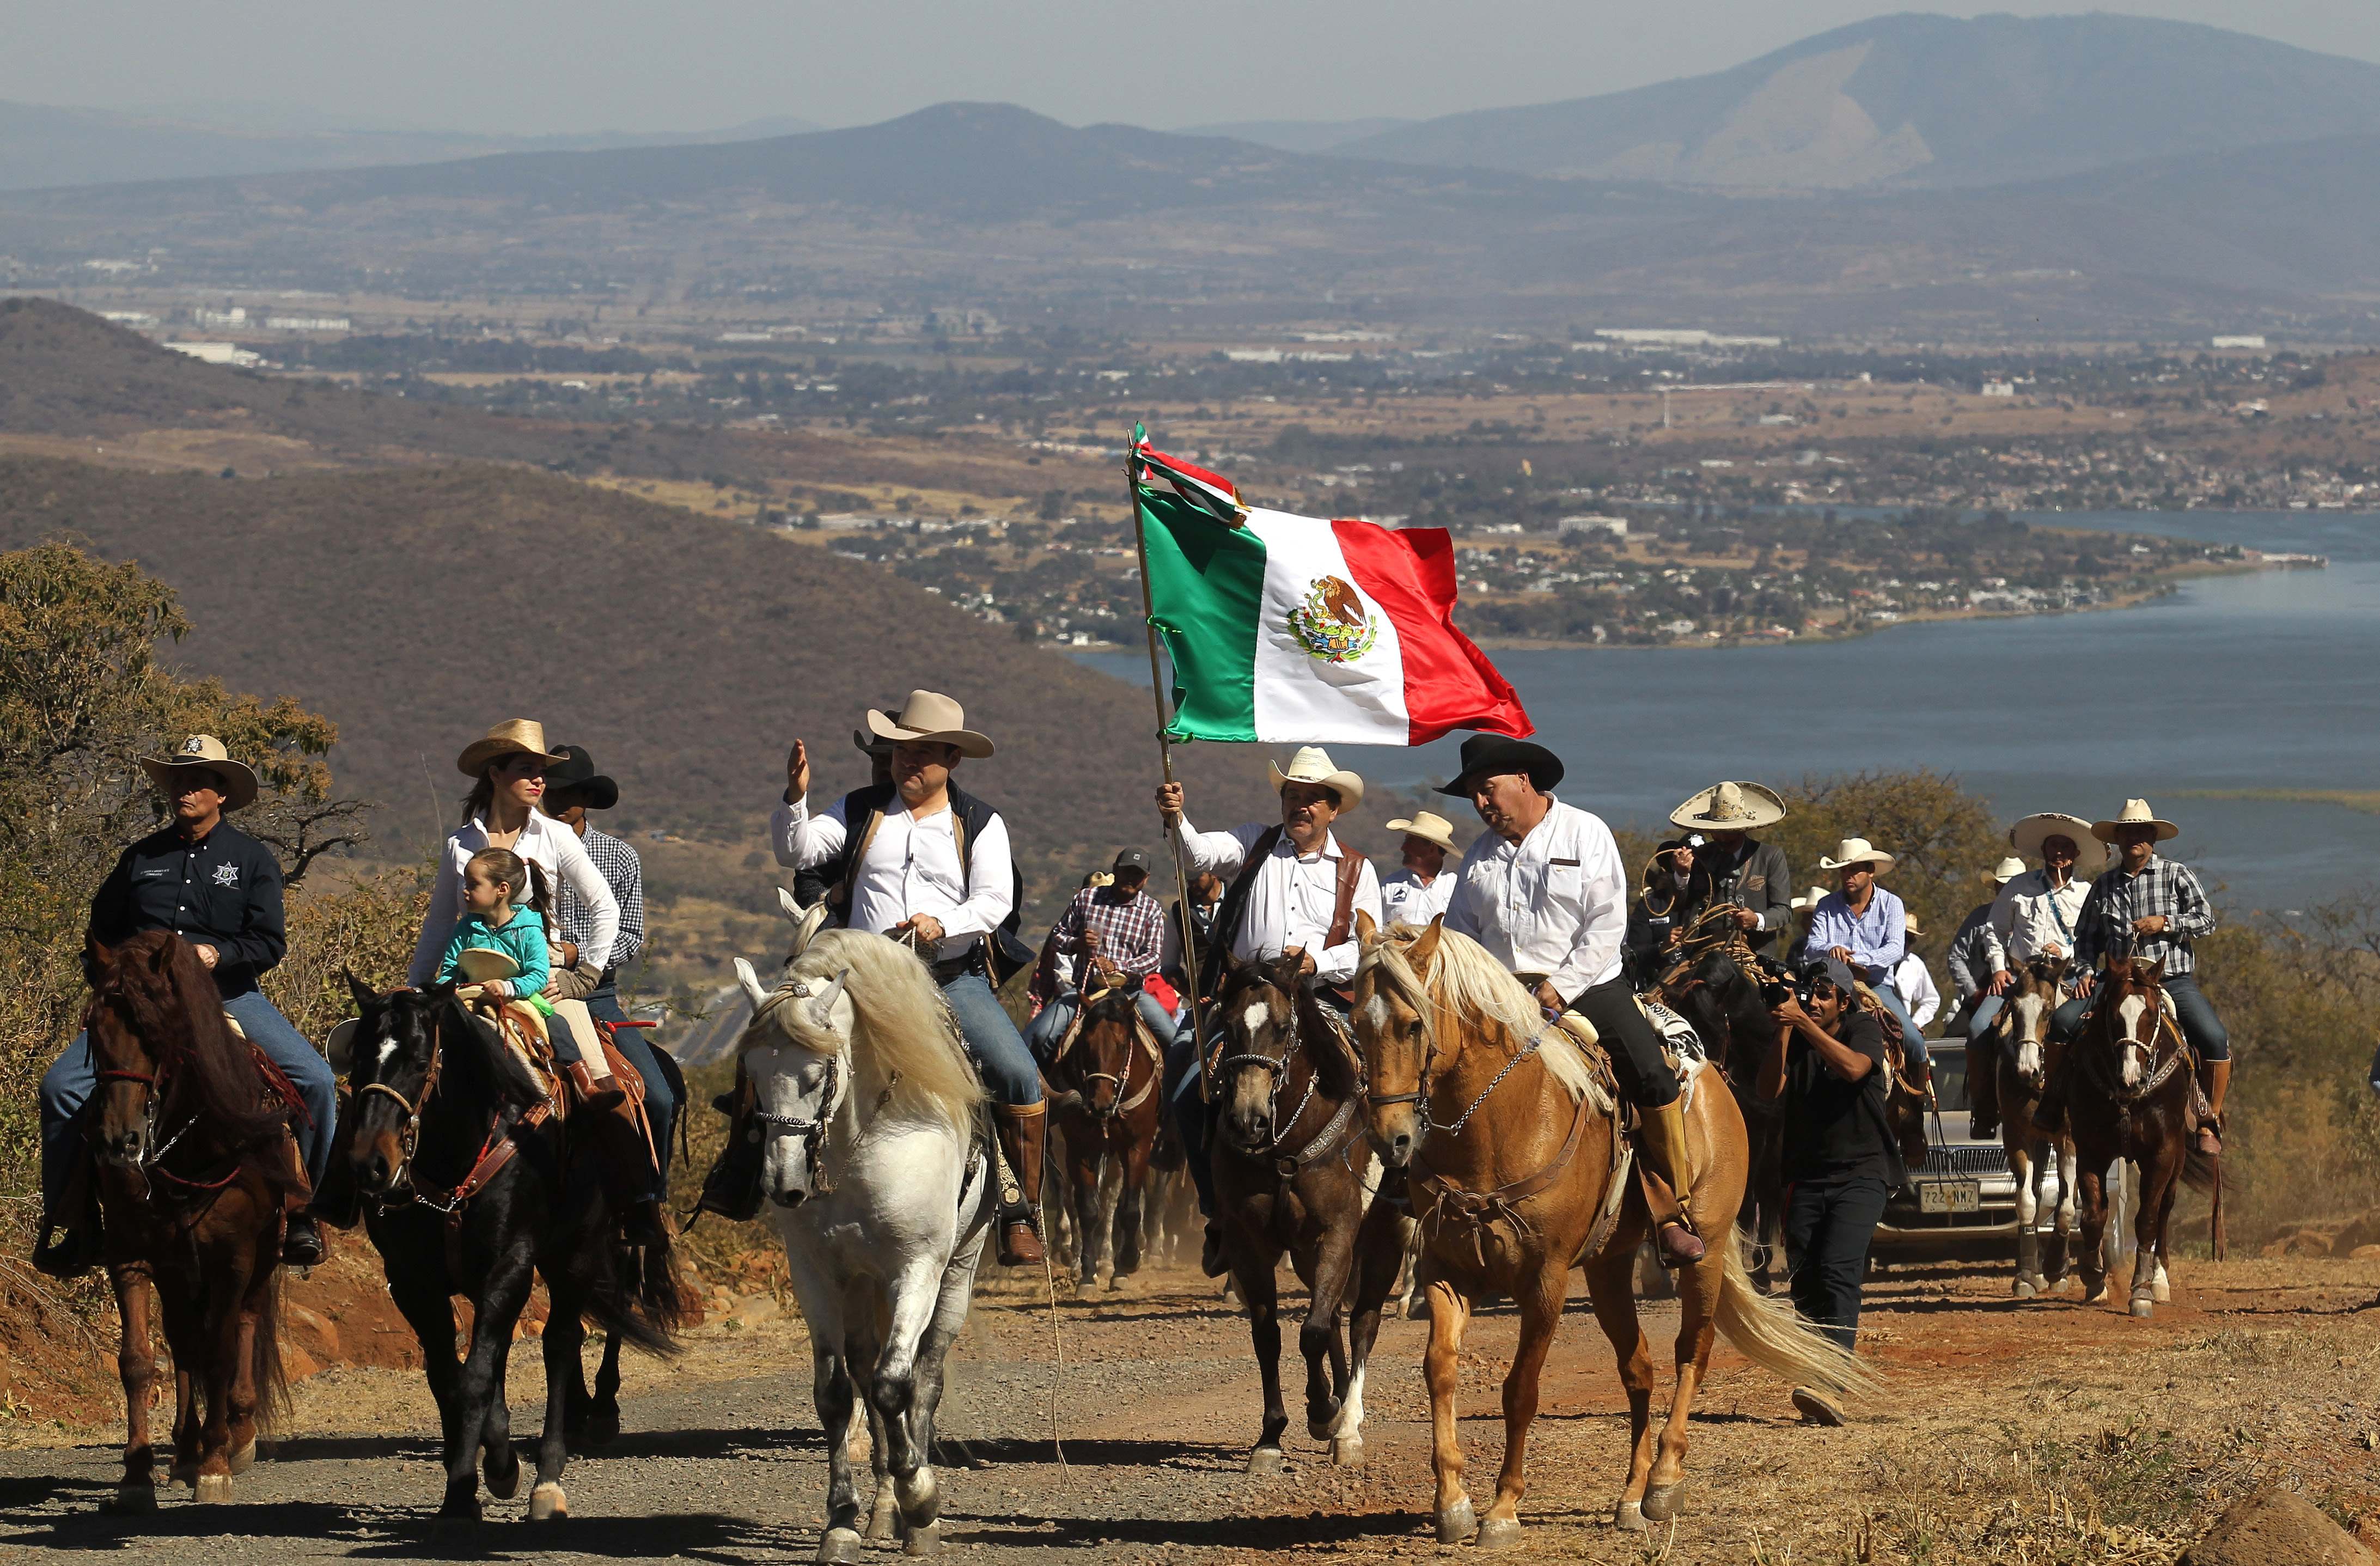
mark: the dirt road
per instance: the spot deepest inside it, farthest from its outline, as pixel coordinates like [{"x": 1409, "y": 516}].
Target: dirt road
[{"x": 2041, "y": 1432}]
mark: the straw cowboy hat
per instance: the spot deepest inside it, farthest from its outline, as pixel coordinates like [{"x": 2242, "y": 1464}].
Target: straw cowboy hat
[
  {"x": 1856, "y": 851},
  {"x": 202, "y": 753},
  {"x": 1312, "y": 764},
  {"x": 1817, "y": 895},
  {"x": 2027, "y": 836},
  {"x": 1428, "y": 825},
  {"x": 932, "y": 718},
  {"x": 2136, "y": 813},
  {"x": 1730, "y": 806},
  {"x": 1489, "y": 755},
  {"x": 521, "y": 736},
  {"x": 2007, "y": 871}
]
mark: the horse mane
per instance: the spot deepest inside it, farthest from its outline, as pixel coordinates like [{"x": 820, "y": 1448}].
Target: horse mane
[
  {"x": 179, "y": 1012},
  {"x": 906, "y": 1051},
  {"x": 1471, "y": 987}
]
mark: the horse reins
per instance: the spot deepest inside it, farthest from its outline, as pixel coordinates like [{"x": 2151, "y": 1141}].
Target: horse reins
[
  {"x": 154, "y": 1154},
  {"x": 812, "y": 1131},
  {"x": 1333, "y": 1132}
]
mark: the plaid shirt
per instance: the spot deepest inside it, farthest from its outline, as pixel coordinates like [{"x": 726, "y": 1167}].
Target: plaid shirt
[
  {"x": 626, "y": 875},
  {"x": 1132, "y": 929},
  {"x": 2163, "y": 886}
]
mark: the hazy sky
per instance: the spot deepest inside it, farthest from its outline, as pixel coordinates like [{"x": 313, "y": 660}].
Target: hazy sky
[{"x": 536, "y": 66}]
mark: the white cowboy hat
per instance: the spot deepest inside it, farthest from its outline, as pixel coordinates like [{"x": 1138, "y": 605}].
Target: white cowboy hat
[
  {"x": 1429, "y": 826},
  {"x": 1856, "y": 851},
  {"x": 203, "y": 753},
  {"x": 481, "y": 964},
  {"x": 933, "y": 717},
  {"x": 2007, "y": 871},
  {"x": 1817, "y": 895},
  {"x": 2136, "y": 813},
  {"x": 2027, "y": 836},
  {"x": 1312, "y": 764},
  {"x": 1730, "y": 806},
  {"x": 523, "y": 736}
]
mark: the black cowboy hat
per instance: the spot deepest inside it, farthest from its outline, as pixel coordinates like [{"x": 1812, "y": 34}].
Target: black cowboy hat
[
  {"x": 575, "y": 776},
  {"x": 1487, "y": 756}
]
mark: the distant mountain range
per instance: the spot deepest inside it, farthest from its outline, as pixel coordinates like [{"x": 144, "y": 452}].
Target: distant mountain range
[{"x": 1300, "y": 135}]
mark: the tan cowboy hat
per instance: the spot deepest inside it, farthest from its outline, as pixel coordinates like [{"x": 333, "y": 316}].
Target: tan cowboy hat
[
  {"x": 481, "y": 964},
  {"x": 523, "y": 736},
  {"x": 1730, "y": 806},
  {"x": 1803, "y": 905},
  {"x": 203, "y": 753},
  {"x": 2136, "y": 813},
  {"x": 2027, "y": 836},
  {"x": 2007, "y": 871},
  {"x": 1429, "y": 826},
  {"x": 1908, "y": 926},
  {"x": 1856, "y": 851},
  {"x": 1312, "y": 764},
  {"x": 933, "y": 717}
]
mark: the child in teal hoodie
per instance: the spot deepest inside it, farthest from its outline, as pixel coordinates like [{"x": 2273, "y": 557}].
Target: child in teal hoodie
[{"x": 493, "y": 881}]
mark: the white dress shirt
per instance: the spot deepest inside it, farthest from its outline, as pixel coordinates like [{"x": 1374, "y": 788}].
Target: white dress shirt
[
  {"x": 2031, "y": 917},
  {"x": 912, "y": 868},
  {"x": 1409, "y": 902},
  {"x": 1554, "y": 902},
  {"x": 554, "y": 849},
  {"x": 1917, "y": 990},
  {"x": 1293, "y": 898}
]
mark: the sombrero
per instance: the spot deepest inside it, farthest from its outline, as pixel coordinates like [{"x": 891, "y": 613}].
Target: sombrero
[
  {"x": 2136, "y": 813},
  {"x": 523, "y": 737},
  {"x": 1312, "y": 764},
  {"x": 1856, "y": 851},
  {"x": 1429, "y": 826},
  {"x": 203, "y": 753},
  {"x": 1730, "y": 806},
  {"x": 481, "y": 964},
  {"x": 2028, "y": 834},
  {"x": 933, "y": 718}
]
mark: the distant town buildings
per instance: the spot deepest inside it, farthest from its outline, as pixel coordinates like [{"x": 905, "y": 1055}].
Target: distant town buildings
[
  {"x": 1668, "y": 337},
  {"x": 1999, "y": 388},
  {"x": 220, "y": 353},
  {"x": 2249, "y": 340},
  {"x": 236, "y": 316},
  {"x": 1612, "y": 526},
  {"x": 308, "y": 323}
]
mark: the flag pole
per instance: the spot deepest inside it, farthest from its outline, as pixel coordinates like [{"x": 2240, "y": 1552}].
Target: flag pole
[{"x": 1165, "y": 761}]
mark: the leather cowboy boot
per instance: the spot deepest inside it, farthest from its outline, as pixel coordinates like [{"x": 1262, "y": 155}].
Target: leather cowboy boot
[
  {"x": 1661, "y": 1141},
  {"x": 1020, "y": 1128},
  {"x": 1983, "y": 1089},
  {"x": 301, "y": 1237},
  {"x": 600, "y": 1098},
  {"x": 68, "y": 1241},
  {"x": 2215, "y": 1081},
  {"x": 732, "y": 1188}
]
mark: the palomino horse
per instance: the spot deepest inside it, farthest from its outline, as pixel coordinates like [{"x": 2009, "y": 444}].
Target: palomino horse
[
  {"x": 1293, "y": 1174},
  {"x": 195, "y": 1175},
  {"x": 1519, "y": 1173},
  {"x": 472, "y": 1186},
  {"x": 884, "y": 1194},
  {"x": 2042, "y": 1163},
  {"x": 1106, "y": 1075},
  {"x": 2128, "y": 1082}
]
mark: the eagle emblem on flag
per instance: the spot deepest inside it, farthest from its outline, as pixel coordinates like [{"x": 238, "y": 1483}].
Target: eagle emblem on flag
[{"x": 1331, "y": 623}]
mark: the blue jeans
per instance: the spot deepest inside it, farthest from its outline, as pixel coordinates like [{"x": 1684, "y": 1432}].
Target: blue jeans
[
  {"x": 1979, "y": 1020},
  {"x": 1189, "y": 1110},
  {"x": 68, "y": 1086},
  {"x": 1890, "y": 996},
  {"x": 999, "y": 1051},
  {"x": 1049, "y": 1024},
  {"x": 2199, "y": 1024},
  {"x": 660, "y": 1100}
]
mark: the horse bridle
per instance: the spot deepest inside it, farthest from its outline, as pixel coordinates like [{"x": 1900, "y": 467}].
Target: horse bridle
[
  {"x": 812, "y": 1131},
  {"x": 1427, "y": 1084},
  {"x": 157, "y": 1082},
  {"x": 1132, "y": 1050}
]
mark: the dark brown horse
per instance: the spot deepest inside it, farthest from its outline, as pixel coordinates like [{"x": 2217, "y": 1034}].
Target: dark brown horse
[
  {"x": 2127, "y": 1080},
  {"x": 1108, "y": 1103},
  {"x": 1294, "y": 1173},
  {"x": 2041, "y": 1162},
  {"x": 1714, "y": 982},
  {"x": 197, "y": 1176}
]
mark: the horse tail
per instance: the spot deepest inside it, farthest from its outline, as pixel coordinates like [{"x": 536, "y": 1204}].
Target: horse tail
[
  {"x": 638, "y": 1300},
  {"x": 2202, "y": 1170},
  {"x": 1767, "y": 1332},
  {"x": 266, "y": 1373}
]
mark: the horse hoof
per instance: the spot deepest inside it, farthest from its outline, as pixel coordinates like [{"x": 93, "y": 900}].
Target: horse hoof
[
  {"x": 547, "y": 1503},
  {"x": 1266, "y": 1460},
  {"x": 884, "y": 1520},
  {"x": 2095, "y": 1293},
  {"x": 841, "y": 1547},
  {"x": 2024, "y": 1289},
  {"x": 1417, "y": 1309},
  {"x": 925, "y": 1539},
  {"x": 244, "y": 1459},
  {"x": 1664, "y": 1503},
  {"x": 1347, "y": 1452},
  {"x": 2143, "y": 1309},
  {"x": 2163, "y": 1293},
  {"x": 1629, "y": 1517},
  {"x": 183, "y": 1474},
  {"x": 501, "y": 1467},
  {"x": 214, "y": 1489},
  {"x": 1323, "y": 1426},
  {"x": 1457, "y": 1523},
  {"x": 133, "y": 1500},
  {"x": 1497, "y": 1533}
]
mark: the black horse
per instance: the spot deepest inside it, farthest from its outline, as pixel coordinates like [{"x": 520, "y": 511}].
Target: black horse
[
  {"x": 473, "y": 1188},
  {"x": 1715, "y": 993}
]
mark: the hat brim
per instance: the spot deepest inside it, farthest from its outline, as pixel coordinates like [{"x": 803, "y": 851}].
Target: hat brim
[
  {"x": 597, "y": 792},
  {"x": 1882, "y": 862},
  {"x": 2027, "y": 836},
  {"x": 1445, "y": 840},
  {"x": 481, "y": 964},
  {"x": 868, "y": 744},
  {"x": 1765, "y": 808},
  {"x": 476, "y": 756},
  {"x": 1542, "y": 767},
  {"x": 1345, "y": 784},
  {"x": 237, "y": 784},
  {"x": 969, "y": 743},
  {"x": 2108, "y": 831}
]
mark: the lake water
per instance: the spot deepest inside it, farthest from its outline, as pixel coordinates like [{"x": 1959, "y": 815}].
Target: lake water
[{"x": 2265, "y": 680}]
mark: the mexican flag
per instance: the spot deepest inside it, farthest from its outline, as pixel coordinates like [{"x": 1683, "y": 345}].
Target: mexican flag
[{"x": 1288, "y": 629}]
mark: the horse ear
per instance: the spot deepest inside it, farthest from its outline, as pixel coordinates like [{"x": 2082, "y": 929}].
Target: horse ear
[
  {"x": 805, "y": 921},
  {"x": 362, "y": 993},
  {"x": 1425, "y": 950},
  {"x": 1367, "y": 932},
  {"x": 822, "y": 1004},
  {"x": 751, "y": 983},
  {"x": 98, "y": 959}
]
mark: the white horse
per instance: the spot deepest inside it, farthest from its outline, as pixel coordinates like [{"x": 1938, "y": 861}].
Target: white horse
[{"x": 868, "y": 1107}]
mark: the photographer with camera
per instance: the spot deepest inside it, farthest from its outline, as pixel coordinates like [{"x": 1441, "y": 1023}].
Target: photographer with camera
[{"x": 1841, "y": 1159}]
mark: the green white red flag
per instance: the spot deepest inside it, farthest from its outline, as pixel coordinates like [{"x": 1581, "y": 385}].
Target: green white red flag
[{"x": 1294, "y": 630}]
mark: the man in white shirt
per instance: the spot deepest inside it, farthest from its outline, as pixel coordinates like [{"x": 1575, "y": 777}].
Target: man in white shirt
[
  {"x": 1544, "y": 891},
  {"x": 1419, "y": 890},
  {"x": 1915, "y": 982},
  {"x": 924, "y": 861},
  {"x": 2035, "y": 912}
]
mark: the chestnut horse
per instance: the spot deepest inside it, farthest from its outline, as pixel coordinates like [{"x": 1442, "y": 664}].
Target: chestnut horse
[
  {"x": 1106, "y": 1080},
  {"x": 1519, "y": 1173},
  {"x": 1293, "y": 1174},
  {"x": 195, "y": 1175},
  {"x": 2129, "y": 1079},
  {"x": 2041, "y": 1162}
]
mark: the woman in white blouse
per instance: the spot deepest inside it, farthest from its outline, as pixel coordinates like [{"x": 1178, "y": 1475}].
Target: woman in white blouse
[{"x": 508, "y": 768}]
